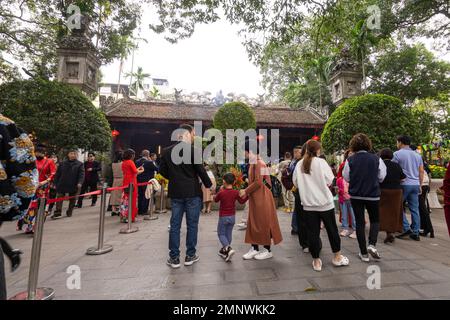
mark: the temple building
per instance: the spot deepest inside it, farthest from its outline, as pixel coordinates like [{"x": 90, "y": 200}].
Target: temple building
[{"x": 148, "y": 124}]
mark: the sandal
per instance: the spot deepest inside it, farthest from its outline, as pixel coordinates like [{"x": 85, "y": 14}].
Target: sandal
[
  {"x": 319, "y": 268},
  {"x": 343, "y": 262}
]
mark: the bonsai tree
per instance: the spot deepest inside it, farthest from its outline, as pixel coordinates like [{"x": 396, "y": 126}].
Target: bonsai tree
[
  {"x": 57, "y": 114},
  {"x": 379, "y": 116}
]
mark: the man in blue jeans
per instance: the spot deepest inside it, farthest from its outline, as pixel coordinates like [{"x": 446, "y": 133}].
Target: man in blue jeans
[
  {"x": 412, "y": 165},
  {"x": 184, "y": 175}
]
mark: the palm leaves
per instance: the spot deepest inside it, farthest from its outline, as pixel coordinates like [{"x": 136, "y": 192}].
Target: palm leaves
[
  {"x": 319, "y": 70},
  {"x": 139, "y": 77}
]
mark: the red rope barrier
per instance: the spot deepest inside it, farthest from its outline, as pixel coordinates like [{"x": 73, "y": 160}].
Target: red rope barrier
[{"x": 49, "y": 201}]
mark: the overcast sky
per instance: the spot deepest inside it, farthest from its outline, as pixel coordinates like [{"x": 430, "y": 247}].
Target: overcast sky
[{"x": 212, "y": 59}]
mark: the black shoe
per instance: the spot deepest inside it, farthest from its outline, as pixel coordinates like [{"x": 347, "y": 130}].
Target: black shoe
[
  {"x": 425, "y": 233},
  {"x": 294, "y": 233},
  {"x": 78, "y": 206},
  {"x": 223, "y": 253},
  {"x": 415, "y": 237},
  {"x": 109, "y": 208},
  {"x": 173, "y": 262},
  {"x": 15, "y": 259},
  {"x": 56, "y": 216},
  {"x": 68, "y": 214},
  {"x": 404, "y": 234},
  {"x": 93, "y": 204},
  {"x": 189, "y": 261}
]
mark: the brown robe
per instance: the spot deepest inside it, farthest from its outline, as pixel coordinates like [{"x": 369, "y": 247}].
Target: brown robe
[
  {"x": 262, "y": 224},
  {"x": 391, "y": 210}
]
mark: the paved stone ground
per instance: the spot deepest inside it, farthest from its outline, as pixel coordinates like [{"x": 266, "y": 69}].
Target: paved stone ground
[{"x": 136, "y": 268}]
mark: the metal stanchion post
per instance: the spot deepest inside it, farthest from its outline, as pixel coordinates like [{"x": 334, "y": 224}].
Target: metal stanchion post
[
  {"x": 162, "y": 208},
  {"x": 151, "y": 216},
  {"x": 33, "y": 292},
  {"x": 129, "y": 228},
  {"x": 101, "y": 248}
]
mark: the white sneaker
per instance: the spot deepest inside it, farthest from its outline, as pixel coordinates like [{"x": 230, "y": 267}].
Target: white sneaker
[
  {"x": 344, "y": 233},
  {"x": 364, "y": 257},
  {"x": 373, "y": 252},
  {"x": 264, "y": 254},
  {"x": 306, "y": 250},
  {"x": 352, "y": 235},
  {"x": 241, "y": 226},
  {"x": 250, "y": 254}
]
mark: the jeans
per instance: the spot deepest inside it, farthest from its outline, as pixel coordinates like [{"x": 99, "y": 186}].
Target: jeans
[
  {"x": 313, "y": 219},
  {"x": 294, "y": 223},
  {"x": 2, "y": 276},
  {"x": 347, "y": 209},
  {"x": 373, "y": 208},
  {"x": 225, "y": 230},
  {"x": 411, "y": 196},
  {"x": 143, "y": 202},
  {"x": 192, "y": 207}
]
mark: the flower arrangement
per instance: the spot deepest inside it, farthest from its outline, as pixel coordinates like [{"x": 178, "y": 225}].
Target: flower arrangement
[
  {"x": 163, "y": 181},
  {"x": 437, "y": 172},
  {"x": 239, "y": 178}
]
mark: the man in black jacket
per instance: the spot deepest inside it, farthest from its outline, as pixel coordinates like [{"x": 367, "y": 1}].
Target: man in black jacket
[
  {"x": 68, "y": 180},
  {"x": 178, "y": 165},
  {"x": 91, "y": 178},
  {"x": 149, "y": 172}
]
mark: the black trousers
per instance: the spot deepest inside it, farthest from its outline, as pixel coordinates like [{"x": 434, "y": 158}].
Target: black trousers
[
  {"x": 374, "y": 218},
  {"x": 87, "y": 187},
  {"x": 425, "y": 220},
  {"x": 51, "y": 195},
  {"x": 60, "y": 204},
  {"x": 2, "y": 276},
  {"x": 312, "y": 219},
  {"x": 142, "y": 201},
  {"x": 301, "y": 223}
]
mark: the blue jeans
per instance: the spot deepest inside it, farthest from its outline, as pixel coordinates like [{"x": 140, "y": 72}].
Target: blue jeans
[
  {"x": 411, "y": 196},
  {"x": 346, "y": 209},
  {"x": 225, "y": 229},
  {"x": 294, "y": 223},
  {"x": 192, "y": 207}
]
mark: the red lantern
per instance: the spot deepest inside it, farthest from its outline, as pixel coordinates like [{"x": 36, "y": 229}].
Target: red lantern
[
  {"x": 115, "y": 133},
  {"x": 317, "y": 138}
]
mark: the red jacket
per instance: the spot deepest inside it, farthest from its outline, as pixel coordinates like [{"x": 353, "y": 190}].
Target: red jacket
[{"x": 447, "y": 186}]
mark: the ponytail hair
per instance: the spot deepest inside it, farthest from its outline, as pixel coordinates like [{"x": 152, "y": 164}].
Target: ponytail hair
[{"x": 312, "y": 148}]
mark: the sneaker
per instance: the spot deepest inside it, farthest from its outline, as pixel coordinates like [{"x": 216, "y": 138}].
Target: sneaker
[
  {"x": 344, "y": 233},
  {"x": 223, "y": 253},
  {"x": 230, "y": 253},
  {"x": 242, "y": 226},
  {"x": 364, "y": 257},
  {"x": 189, "y": 261},
  {"x": 306, "y": 250},
  {"x": 373, "y": 252},
  {"x": 173, "y": 262},
  {"x": 352, "y": 235},
  {"x": 68, "y": 214},
  {"x": 250, "y": 254},
  {"x": 415, "y": 237},
  {"x": 264, "y": 254}
]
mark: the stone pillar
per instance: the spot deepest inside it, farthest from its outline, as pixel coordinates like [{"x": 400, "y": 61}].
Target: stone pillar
[{"x": 346, "y": 79}]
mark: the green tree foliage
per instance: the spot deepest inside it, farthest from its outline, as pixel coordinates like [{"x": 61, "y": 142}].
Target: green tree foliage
[
  {"x": 409, "y": 72},
  {"x": 30, "y": 30},
  {"x": 59, "y": 115},
  {"x": 234, "y": 115},
  {"x": 381, "y": 117}
]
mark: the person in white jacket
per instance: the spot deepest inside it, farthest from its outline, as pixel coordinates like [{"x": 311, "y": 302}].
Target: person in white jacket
[{"x": 312, "y": 177}]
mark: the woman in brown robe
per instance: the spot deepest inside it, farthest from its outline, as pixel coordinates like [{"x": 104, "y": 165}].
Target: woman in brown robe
[
  {"x": 391, "y": 199},
  {"x": 262, "y": 225}
]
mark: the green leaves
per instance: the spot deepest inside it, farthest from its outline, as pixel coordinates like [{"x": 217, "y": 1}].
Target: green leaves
[
  {"x": 379, "y": 116},
  {"x": 59, "y": 115}
]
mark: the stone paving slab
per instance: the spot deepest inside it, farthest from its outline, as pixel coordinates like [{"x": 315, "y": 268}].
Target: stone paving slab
[{"x": 136, "y": 268}]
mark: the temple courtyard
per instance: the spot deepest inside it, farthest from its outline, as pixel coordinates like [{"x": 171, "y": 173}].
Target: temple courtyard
[{"x": 136, "y": 268}]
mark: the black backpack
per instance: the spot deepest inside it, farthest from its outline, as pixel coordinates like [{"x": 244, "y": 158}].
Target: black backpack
[{"x": 276, "y": 187}]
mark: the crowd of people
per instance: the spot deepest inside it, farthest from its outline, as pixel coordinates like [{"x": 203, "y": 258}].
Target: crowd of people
[{"x": 382, "y": 184}]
